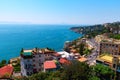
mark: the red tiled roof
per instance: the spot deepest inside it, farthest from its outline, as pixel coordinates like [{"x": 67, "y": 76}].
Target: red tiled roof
[
  {"x": 64, "y": 61},
  {"x": 6, "y": 71},
  {"x": 56, "y": 54},
  {"x": 82, "y": 59},
  {"x": 49, "y": 65}
]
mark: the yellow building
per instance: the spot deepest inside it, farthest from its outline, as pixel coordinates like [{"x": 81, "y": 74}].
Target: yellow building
[{"x": 110, "y": 60}]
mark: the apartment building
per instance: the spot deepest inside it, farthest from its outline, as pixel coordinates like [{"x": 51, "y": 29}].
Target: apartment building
[
  {"x": 32, "y": 60},
  {"x": 110, "y": 47}
]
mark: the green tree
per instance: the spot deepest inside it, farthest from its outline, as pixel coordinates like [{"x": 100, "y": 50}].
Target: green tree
[
  {"x": 87, "y": 51},
  {"x": 81, "y": 48},
  {"x": 94, "y": 78},
  {"x": 76, "y": 71},
  {"x": 3, "y": 63},
  {"x": 39, "y": 76},
  {"x": 103, "y": 72}
]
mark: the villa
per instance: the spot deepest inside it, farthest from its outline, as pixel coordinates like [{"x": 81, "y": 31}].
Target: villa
[{"x": 49, "y": 66}]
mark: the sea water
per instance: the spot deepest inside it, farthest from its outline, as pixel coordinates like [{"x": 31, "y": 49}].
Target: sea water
[{"x": 15, "y": 37}]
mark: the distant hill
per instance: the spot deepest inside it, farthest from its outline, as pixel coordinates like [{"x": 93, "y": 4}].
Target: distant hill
[{"x": 110, "y": 27}]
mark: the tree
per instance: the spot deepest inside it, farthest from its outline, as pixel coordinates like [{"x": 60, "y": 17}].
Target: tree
[
  {"x": 76, "y": 71},
  {"x": 94, "y": 78},
  {"x": 39, "y": 76},
  {"x": 81, "y": 49},
  {"x": 3, "y": 63},
  {"x": 87, "y": 51},
  {"x": 103, "y": 72}
]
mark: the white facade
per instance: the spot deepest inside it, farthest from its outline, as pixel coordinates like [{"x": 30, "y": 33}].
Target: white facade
[
  {"x": 66, "y": 55},
  {"x": 32, "y": 61},
  {"x": 26, "y": 67},
  {"x": 38, "y": 60}
]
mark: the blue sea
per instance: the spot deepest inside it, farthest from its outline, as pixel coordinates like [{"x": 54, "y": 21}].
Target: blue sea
[{"x": 14, "y": 37}]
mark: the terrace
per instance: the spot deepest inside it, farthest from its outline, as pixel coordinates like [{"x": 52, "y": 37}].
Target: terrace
[
  {"x": 26, "y": 53},
  {"x": 105, "y": 59}
]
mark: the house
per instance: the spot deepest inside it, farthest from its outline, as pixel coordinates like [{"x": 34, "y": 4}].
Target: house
[
  {"x": 15, "y": 61},
  {"x": 6, "y": 72},
  {"x": 64, "y": 61},
  {"x": 56, "y": 56},
  {"x": 66, "y": 55},
  {"x": 49, "y": 66},
  {"x": 82, "y": 59}
]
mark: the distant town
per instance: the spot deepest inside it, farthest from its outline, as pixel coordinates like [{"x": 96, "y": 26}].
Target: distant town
[{"x": 95, "y": 56}]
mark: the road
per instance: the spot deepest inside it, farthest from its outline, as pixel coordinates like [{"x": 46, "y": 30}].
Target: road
[{"x": 92, "y": 57}]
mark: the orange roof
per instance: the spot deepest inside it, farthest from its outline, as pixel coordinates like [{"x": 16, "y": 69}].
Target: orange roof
[
  {"x": 64, "y": 61},
  {"x": 49, "y": 65},
  {"x": 6, "y": 71},
  {"x": 82, "y": 59}
]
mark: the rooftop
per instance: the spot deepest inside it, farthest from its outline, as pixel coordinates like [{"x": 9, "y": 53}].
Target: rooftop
[
  {"x": 27, "y": 52},
  {"x": 82, "y": 59},
  {"x": 56, "y": 54},
  {"x": 110, "y": 40},
  {"x": 6, "y": 71},
  {"x": 64, "y": 61},
  {"x": 49, "y": 65}
]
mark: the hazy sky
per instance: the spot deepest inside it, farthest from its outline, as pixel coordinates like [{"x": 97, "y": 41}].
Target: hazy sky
[{"x": 59, "y": 11}]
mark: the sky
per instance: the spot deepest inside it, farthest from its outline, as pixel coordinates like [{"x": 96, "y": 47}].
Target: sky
[{"x": 59, "y": 11}]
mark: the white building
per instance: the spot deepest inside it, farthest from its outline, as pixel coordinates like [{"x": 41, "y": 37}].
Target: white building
[
  {"x": 66, "y": 55},
  {"x": 32, "y": 60},
  {"x": 26, "y": 63}
]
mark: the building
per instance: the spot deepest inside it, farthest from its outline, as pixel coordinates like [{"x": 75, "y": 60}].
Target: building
[
  {"x": 32, "y": 60},
  {"x": 99, "y": 38},
  {"x": 6, "y": 72},
  {"x": 109, "y": 46},
  {"x": 112, "y": 61},
  {"x": 109, "y": 60},
  {"x": 64, "y": 61},
  {"x": 15, "y": 61},
  {"x": 82, "y": 59},
  {"x": 66, "y": 55},
  {"x": 49, "y": 66},
  {"x": 26, "y": 63},
  {"x": 90, "y": 45}
]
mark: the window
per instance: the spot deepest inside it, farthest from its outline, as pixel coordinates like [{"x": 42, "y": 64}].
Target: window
[
  {"x": 114, "y": 65},
  {"x": 39, "y": 64},
  {"x": 33, "y": 60},
  {"x": 34, "y": 65},
  {"x": 33, "y": 55},
  {"x": 27, "y": 73},
  {"x": 26, "y": 66},
  {"x": 28, "y": 60},
  {"x": 39, "y": 60},
  {"x": 39, "y": 69}
]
